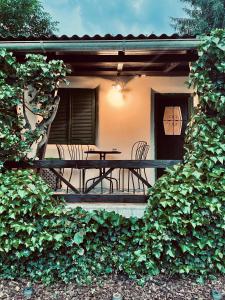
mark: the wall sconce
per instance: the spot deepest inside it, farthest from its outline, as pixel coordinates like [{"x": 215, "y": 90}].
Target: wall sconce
[
  {"x": 115, "y": 94},
  {"x": 118, "y": 86},
  {"x": 172, "y": 120}
]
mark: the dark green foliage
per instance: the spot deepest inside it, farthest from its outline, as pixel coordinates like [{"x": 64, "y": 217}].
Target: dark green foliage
[
  {"x": 17, "y": 135},
  {"x": 183, "y": 229},
  {"x": 202, "y": 17},
  {"x": 11, "y": 144},
  {"x": 26, "y": 18},
  {"x": 45, "y": 241},
  {"x": 185, "y": 218}
]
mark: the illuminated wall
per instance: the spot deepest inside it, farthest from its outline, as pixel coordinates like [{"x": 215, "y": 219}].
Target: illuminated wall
[{"x": 126, "y": 117}]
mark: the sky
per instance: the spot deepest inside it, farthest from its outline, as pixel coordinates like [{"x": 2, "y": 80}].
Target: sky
[{"x": 113, "y": 16}]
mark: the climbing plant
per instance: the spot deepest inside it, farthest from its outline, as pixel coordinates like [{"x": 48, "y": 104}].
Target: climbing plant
[
  {"x": 183, "y": 229},
  {"x": 28, "y": 102},
  {"x": 41, "y": 239},
  {"x": 185, "y": 217}
]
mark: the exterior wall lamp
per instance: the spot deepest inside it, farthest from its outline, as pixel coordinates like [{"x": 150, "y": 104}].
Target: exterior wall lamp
[
  {"x": 172, "y": 120},
  {"x": 118, "y": 86}
]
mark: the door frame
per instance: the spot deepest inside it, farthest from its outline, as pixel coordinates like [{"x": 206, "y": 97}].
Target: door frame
[{"x": 153, "y": 140}]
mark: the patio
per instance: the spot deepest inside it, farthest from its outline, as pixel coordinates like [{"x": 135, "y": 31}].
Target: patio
[
  {"x": 119, "y": 90},
  {"x": 76, "y": 196}
]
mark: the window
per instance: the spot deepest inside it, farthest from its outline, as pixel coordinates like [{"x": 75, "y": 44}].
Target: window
[{"x": 75, "y": 121}]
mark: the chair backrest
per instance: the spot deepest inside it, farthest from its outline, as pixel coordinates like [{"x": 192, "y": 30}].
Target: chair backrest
[
  {"x": 142, "y": 152},
  {"x": 61, "y": 151},
  {"x": 75, "y": 152},
  {"x": 137, "y": 150},
  {"x": 145, "y": 152}
]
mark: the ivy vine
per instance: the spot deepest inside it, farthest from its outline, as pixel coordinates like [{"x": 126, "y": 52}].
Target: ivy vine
[
  {"x": 185, "y": 218},
  {"x": 27, "y": 91},
  {"x": 183, "y": 229}
]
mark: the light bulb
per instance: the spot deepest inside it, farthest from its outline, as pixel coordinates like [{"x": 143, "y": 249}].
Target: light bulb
[{"x": 117, "y": 86}]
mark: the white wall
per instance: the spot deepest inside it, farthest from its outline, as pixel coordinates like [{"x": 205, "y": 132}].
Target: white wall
[{"x": 125, "y": 119}]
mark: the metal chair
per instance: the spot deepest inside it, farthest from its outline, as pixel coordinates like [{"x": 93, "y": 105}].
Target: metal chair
[
  {"x": 61, "y": 154},
  {"x": 139, "y": 151},
  {"x": 143, "y": 155},
  {"x": 75, "y": 152}
]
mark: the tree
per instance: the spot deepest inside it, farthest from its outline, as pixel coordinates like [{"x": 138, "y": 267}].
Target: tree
[
  {"x": 28, "y": 103},
  {"x": 203, "y": 16},
  {"x": 25, "y": 17}
]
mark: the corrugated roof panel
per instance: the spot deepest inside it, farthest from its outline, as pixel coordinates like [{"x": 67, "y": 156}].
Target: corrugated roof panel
[{"x": 96, "y": 37}]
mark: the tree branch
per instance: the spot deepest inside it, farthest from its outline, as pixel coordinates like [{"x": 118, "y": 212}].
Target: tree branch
[
  {"x": 32, "y": 111},
  {"x": 27, "y": 123},
  {"x": 46, "y": 123}
]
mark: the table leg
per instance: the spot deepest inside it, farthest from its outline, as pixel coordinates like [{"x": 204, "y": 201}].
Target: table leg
[{"x": 99, "y": 180}]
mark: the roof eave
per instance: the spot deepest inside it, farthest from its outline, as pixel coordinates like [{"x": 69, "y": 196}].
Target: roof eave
[{"x": 100, "y": 45}]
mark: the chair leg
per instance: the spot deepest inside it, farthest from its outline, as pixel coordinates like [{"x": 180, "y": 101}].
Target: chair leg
[
  {"x": 121, "y": 180},
  {"x": 128, "y": 181},
  {"x": 101, "y": 186},
  {"x": 83, "y": 180},
  {"x": 91, "y": 179},
  {"x": 119, "y": 176},
  {"x": 140, "y": 173},
  {"x": 132, "y": 177},
  {"x": 80, "y": 179},
  {"x": 146, "y": 177},
  {"x": 110, "y": 184},
  {"x": 116, "y": 182},
  {"x": 139, "y": 181},
  {"x": 71, "y": 173}
]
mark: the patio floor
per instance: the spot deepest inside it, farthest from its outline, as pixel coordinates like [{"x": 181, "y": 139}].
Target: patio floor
[{"x": 124, "y": 209}]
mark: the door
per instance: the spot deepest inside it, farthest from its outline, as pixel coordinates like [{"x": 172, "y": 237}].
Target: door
[{"x": 171, "y": 118}]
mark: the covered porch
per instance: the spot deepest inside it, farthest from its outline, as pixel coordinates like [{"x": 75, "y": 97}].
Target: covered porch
[
  {"x": 128, "y": 203},
  {"x": 121, "y": 90}
]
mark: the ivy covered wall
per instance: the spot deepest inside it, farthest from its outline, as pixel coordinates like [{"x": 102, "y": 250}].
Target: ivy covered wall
[
  {"x": 182, "y": 231},
  {"x": 185, "y": 217}
]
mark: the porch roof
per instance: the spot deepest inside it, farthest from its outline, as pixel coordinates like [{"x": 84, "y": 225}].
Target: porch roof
[{"x": 113, "y": 55}]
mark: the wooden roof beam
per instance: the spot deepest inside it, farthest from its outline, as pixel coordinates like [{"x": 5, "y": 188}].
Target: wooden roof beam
[
  {"x": 128, "y": 73},
  {"x": 120, "y": 67},
  {"x": 128, "y": 58},
  {"x": 170, "y": 67}
]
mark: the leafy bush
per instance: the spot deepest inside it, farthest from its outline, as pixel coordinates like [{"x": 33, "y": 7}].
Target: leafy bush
[
  {"x": 42, "y": 239},
  {"x": 27, "y": 91},
  {"x": 183, "y": 229},
  {"x": 25, "y": 211},
  {"x": 11, "y": 144},
  {"x": 185, "y": 217}
]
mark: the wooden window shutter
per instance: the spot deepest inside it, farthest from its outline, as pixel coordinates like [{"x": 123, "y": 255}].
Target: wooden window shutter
[
  {"x": 59, "y": 127},
  {"x": 83, "y": 120},
  {"x": 75, "y": 121}
]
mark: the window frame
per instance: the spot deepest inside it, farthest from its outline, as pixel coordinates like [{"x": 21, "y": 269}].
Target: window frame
[{"x": 69, "y": 116}]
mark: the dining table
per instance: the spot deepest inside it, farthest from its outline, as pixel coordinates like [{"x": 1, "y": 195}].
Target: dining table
[
  {"x": 102, "y": 172},
  {"x": 102, "y": 153}
]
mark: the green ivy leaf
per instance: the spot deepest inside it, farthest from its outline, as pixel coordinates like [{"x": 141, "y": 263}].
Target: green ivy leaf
[{"x": 78, "y": 237}]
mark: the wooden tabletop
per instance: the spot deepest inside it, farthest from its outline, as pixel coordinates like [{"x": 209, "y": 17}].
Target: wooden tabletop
[{"x": 102, "y": 152}]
